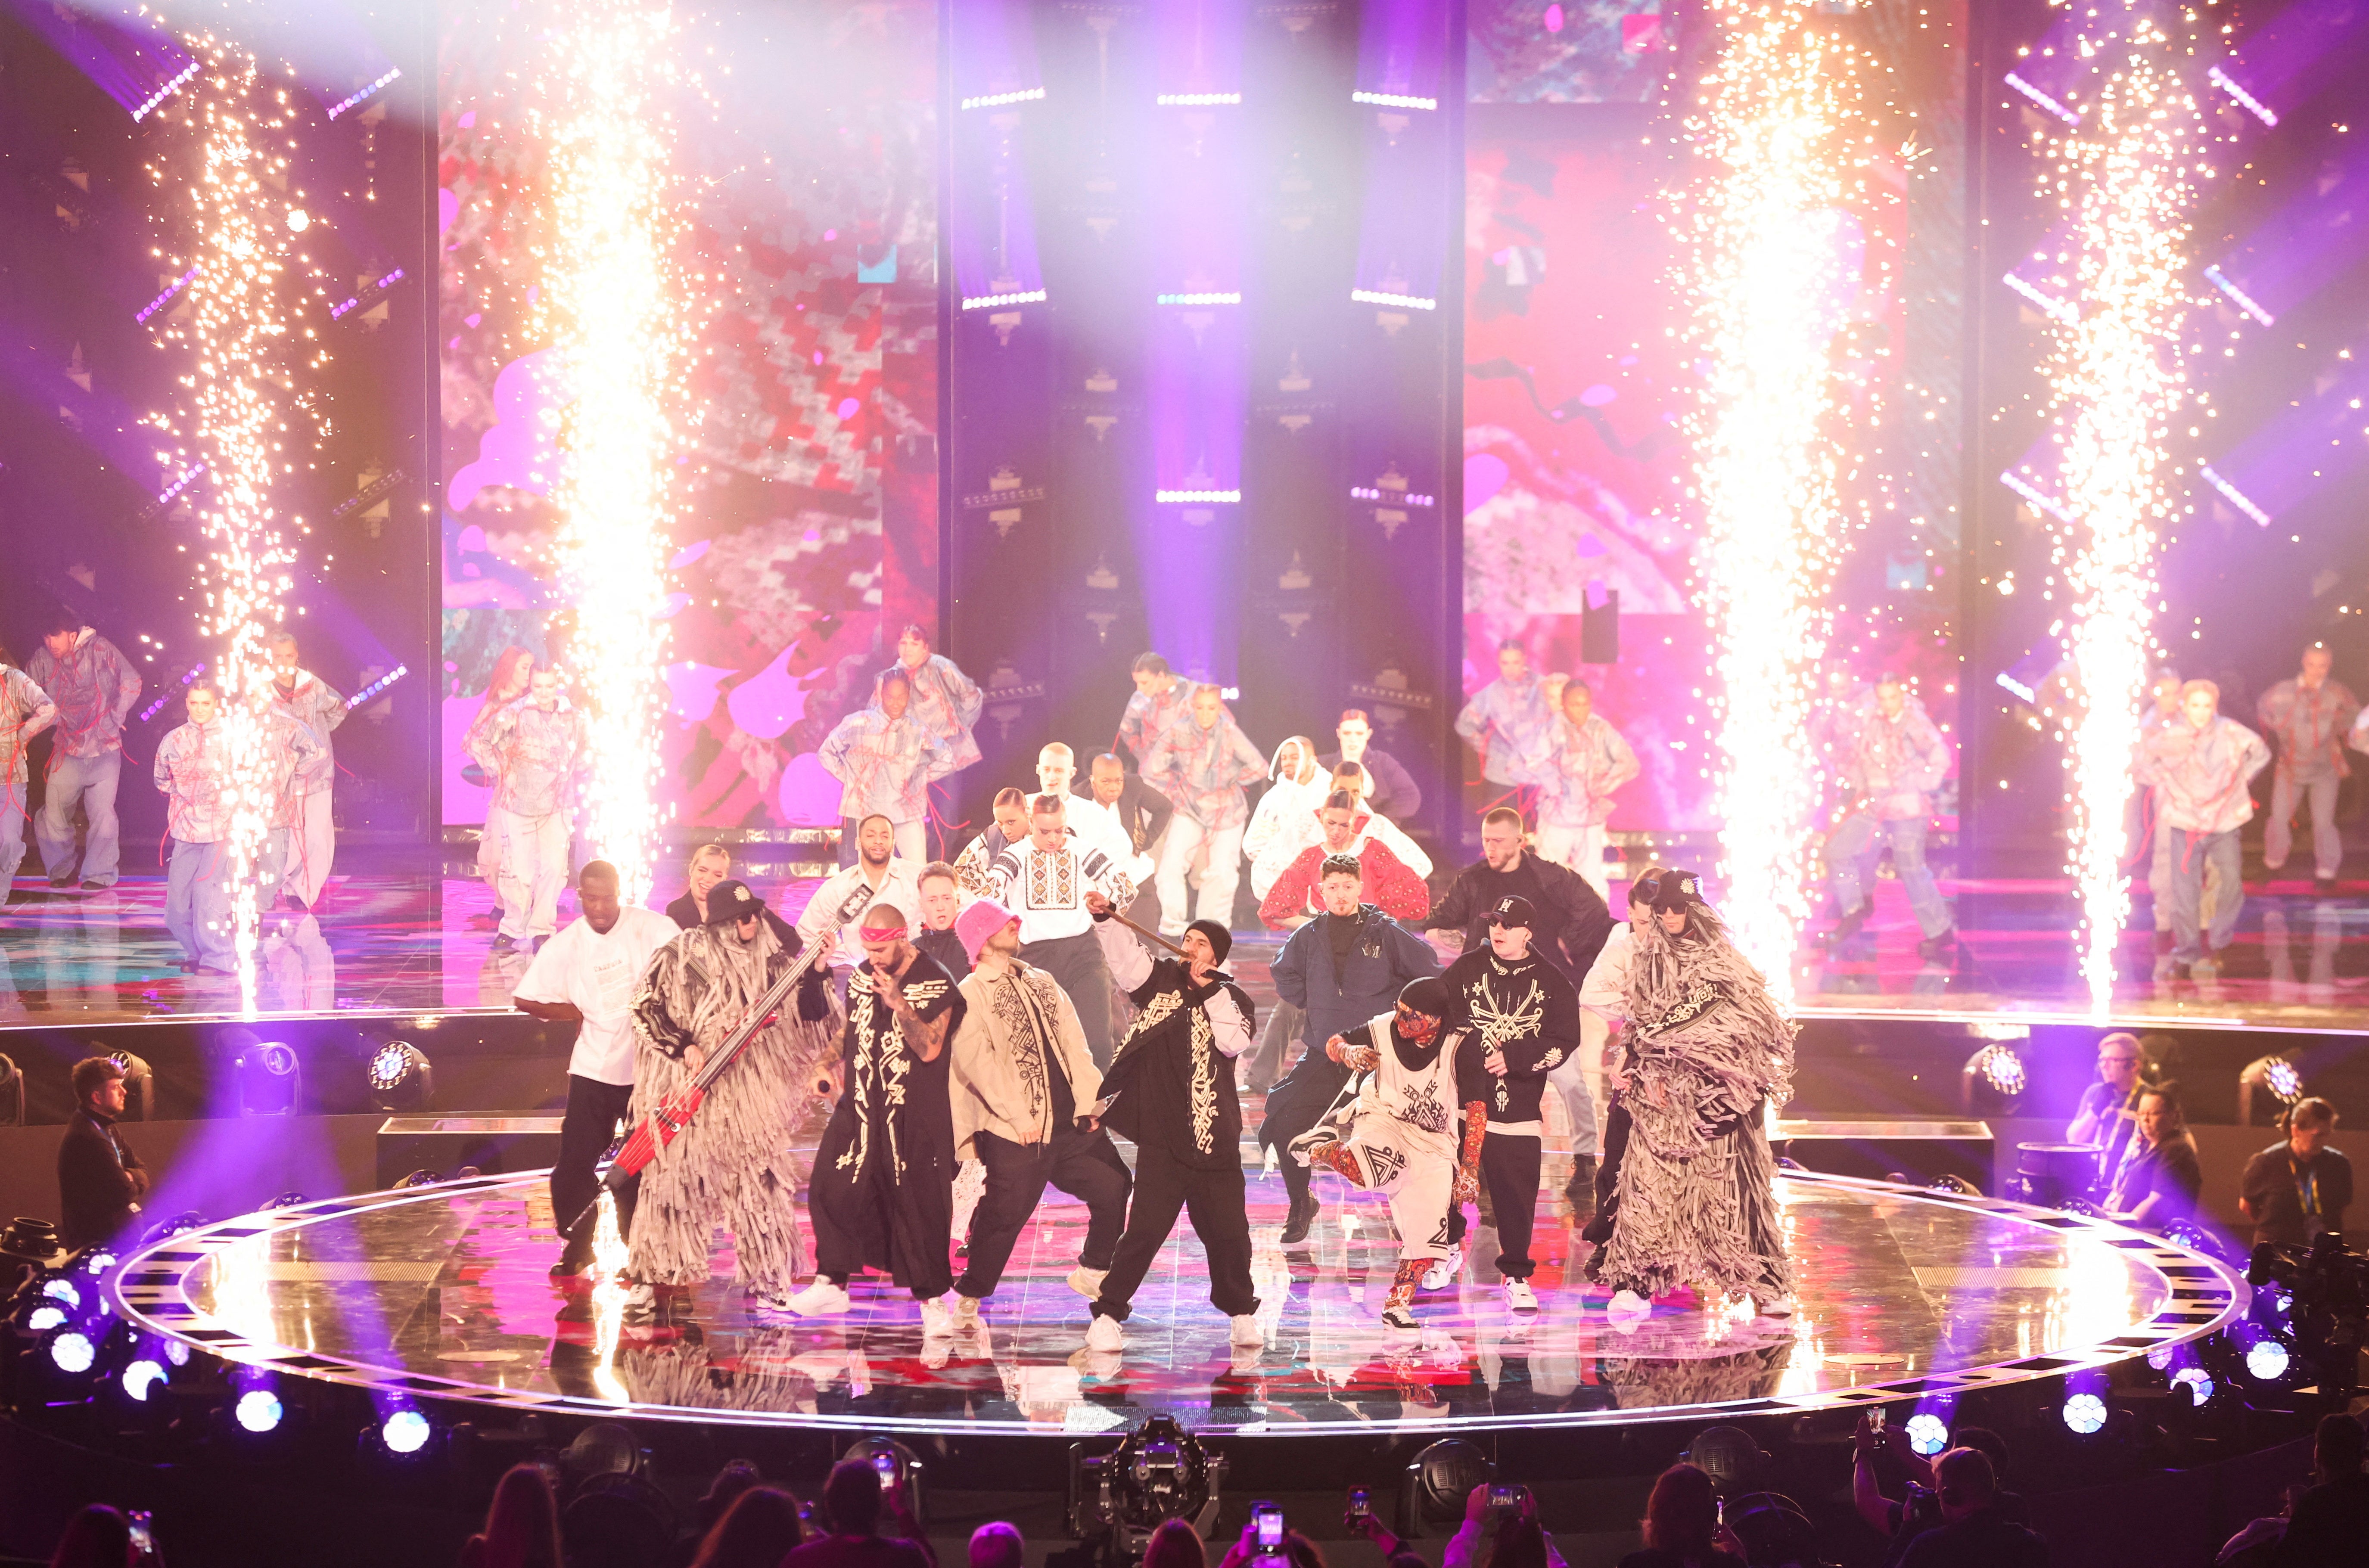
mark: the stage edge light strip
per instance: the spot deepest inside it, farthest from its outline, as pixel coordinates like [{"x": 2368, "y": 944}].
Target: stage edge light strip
[
  {"x": 1782, "y": 129},
  {"x": 2259, "y": 109},
  {"x": 2238, "y": 296},
  {"x": 620, "y": 310},
  {"x": 2126, "y": 183}
]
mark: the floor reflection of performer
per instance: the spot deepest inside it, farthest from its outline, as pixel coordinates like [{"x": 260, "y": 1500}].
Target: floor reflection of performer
[
  {"x": 507, "y": 685},
  {"x": 312, "y": 703},
  {"x": 1706, "y": 1050},
  {"x": 730, "y": 1165}
]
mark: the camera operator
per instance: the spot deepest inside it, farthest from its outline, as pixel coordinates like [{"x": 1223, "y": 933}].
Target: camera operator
[
  {"x": 1509, "y": 1515},
  {"x": 2294, "y": 1191},
  {"x": 2160, "y": 1176},
  {"x": 1901, "y": 1520}
]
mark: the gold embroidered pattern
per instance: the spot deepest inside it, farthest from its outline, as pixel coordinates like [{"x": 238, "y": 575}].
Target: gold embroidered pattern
[
  {"x": 1155, "y": 1013},
  {"x": 1052, "y": 879},
  {"x": 1204, "y": 1081},
  {"x": 1027, "y": 1050}
]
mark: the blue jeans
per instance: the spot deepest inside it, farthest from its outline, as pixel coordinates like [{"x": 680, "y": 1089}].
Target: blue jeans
[
  {"x": 2191, "y": 855},
  {"x": 1850, "y": 860},
  {"x": 196, "y": 902},
  {"x": 90, "y": 780}
]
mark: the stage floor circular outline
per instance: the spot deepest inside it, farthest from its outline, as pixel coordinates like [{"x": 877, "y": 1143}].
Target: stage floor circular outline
[{"x": 440, "y": 1293}]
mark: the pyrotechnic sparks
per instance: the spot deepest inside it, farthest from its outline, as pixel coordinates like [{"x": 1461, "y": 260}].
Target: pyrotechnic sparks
[
  {"x": 1782, "y": 126},
  {"x": 2126, "y": 179},
  {"x": 614, "y": 301}
]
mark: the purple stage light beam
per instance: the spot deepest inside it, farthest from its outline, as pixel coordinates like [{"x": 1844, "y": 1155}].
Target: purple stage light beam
[
  {"x": 1402, "y": 74},
  {"x": 993, "y": 232},
  {"x": 2308, "y": 244},
  {"x": 128, "y": 58},
  {"x": 2303, "y": 455}
]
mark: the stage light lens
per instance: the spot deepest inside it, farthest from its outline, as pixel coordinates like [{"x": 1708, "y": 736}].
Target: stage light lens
[
  {"x": 2280, "y": 1077},
  {"x": 2085, "y": 1413},
  {"x": 100, "y": 1263},
  {"x": 176, "y": 1353},
  {"x": 405, "y": 1432},
  {"x": 2003, "y": 1069},
  {"x": 2267, "y": 1361},
  {"x": 1927, "y": 1434},
  {"x": 73, "y": 1352},
  {"x": 2197, "y": 1381},
  {"x": 63, "y": 1290},
  {"x": 258, "y": 1410},
  {"x": 140, "y": 1377},
  {"x": 42, "y": 1319},
  {"x": 388, "y": 1064}
]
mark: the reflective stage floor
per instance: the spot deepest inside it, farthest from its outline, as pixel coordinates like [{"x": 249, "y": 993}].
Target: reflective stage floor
[
  {"x": 412, "y": 942},
  {"x": 441, "y": 1293}
]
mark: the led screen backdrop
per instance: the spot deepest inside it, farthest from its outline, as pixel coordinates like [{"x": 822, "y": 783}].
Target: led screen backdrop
[{"x": 809, "y": 502}]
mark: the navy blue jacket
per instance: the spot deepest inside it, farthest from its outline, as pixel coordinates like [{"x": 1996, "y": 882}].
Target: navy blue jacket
[{"x": 1384, "y": 957}]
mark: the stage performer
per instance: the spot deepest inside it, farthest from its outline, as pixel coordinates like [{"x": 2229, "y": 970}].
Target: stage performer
[
  {"x": 315, "y": 704},
  {"x": 1593, "y": 1189},
  {"x": 941, "y": 905},
  {"x": 1339, "y": 970},
  {"x": 1024, "y": 1090},
  {"x": 290, "y": 745},
  {"x": 1352, "y": 778},
  {"x": 94, "y": 686},
  {"x": 2304, "y": 720},
  {"x": 1412, "y": 1139},
  {"x": 1047, "y": 880},
  {"x": 1588, "y": 761},
  {"x": 947, "y": 702},
  {"x": 1705, "y": 1052},
  {"x": 507, "y": 683},
  {"x": 1524, "y": 1015},
  {"x": 588, "y": 975},
  {"x": 1057, "y": 775},
  {"x": 1573, "y": 919},
  {"x": 1202, "y": 761},
  {"x": 1295, "y": 789},
  {"x": 1507, "y": 722},
  {"x": 2200, "y": 763},
  {"x": 1390, "y": 882},
  {"x": 192, "y": 766},
  {"x": 888, "y": 876},
  {"x": 730, "y": 1165},
  {"x": 1009, "y": 826},
  {"x": 25, "y": 711},
  {"x": 1159, "y": 701},
  {"x": 884, "y": 757},
  {"x": 1135, "y": 815},
  {"x": 1896, "y": 756},
  {"x": 882, "y": 1195},
  {"x": 535, "y": 749},
  {"x": 1389, "y": 791},
  {"x": 1171, "y": 1091}
]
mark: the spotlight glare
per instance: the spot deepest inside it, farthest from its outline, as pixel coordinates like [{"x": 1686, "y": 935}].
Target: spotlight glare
[
  {"x": 1927, "y": 1434},
  {"x": 177, "y": 1351},
  {"x": 73, "y": 1352},
  {"x": 258, "y": 1410},
  {"x": 405, "y": 1432},
  {"x": 2267, "y": 1361},
  {"x": 2197, "y": 1381},
  {"x": 140, "y": 1376},
  {"x": 61, "y": 1290},
  {"x": 42, "y": 1319},
  {"x": 2085, "y": 1413}
]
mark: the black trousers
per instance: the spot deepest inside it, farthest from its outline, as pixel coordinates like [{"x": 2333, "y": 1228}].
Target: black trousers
[
  {"x": 1509, "y": 1170},
  {"x": 1076, "y": 965},
  {"x": 1219, "y": 1203},
  {"x": 1084, "y": 1165},
  {"x": 594, "y": 1108},
  {"x": 1598, "y": 1228}
]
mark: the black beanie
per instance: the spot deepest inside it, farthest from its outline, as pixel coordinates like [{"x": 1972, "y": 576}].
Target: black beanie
[
  {"x": 1220, "y": 939},
  {"x": 1428, "y": 995}
]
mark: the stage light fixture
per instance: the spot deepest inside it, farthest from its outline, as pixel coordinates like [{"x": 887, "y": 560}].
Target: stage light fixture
[
  {"x": 138, "y": 1086},
  {"x": 2275, "y": 1076},
  {"x": 177, "y": 1351},
  {"x": 2198, "y": 1383},
  {"x": 1927, "y": 1434},
  {"x": 1994, "y": 1079},
  {"x": 258, "y": 1411},
  {"x": 99, "y": 1263},
  {"x": 44, "y": 1318},
  {"x": 405, "y": 1432},
  {"x": 63, "y": 1290},
  {"x": 421, "y": 1178},
  {"x": 73, "y": 1352},
  {"x": 286, "y": 1200},
  {"x": 2267, "y": 1361},
  {"x": 180, "y": 1224},
  {"x": 401, "y": 1076},
  {"x": 140, "y": 1376},
  {"x": 2085, "y": 1414},
  {"x": 270, "y": 1079}
]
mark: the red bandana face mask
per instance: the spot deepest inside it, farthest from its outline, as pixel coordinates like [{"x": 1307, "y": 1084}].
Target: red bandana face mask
[{"x": 1417, "y": 1026}]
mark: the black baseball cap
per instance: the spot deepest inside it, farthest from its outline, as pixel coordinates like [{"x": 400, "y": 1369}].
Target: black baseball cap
[
  {"x": 1512, "y": 909},
  {"x": 731, "y": 900}
]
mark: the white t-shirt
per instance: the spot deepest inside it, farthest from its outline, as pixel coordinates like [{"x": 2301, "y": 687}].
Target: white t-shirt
[{"x": 597, "y": 971}]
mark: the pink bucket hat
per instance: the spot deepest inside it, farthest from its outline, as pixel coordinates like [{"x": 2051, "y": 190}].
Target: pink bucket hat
[{"x": 981, "y": 920}]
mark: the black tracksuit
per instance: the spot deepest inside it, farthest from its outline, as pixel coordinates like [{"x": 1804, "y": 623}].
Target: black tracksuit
[
  {"x": 1530, "y": 1012},
  {"x": 1573, "y": 918}
]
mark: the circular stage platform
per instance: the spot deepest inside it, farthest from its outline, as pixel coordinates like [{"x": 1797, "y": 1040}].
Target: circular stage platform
[{"x": 439, "y": 1296}]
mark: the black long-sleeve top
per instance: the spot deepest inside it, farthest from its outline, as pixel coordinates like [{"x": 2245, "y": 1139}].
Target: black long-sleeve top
[
  {"x": 95, "y": 1182},
  {"x": 1528, "y": 1011},
  {"x": 1573, "y": 918}
]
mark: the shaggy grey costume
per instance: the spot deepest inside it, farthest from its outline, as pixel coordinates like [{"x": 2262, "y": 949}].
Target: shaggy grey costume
[
  {"x": 1706, "y": 1048},
  {"x": 731, "y": 1166}
]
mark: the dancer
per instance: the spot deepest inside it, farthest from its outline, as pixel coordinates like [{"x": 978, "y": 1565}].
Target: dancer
[
  {"x": 1024, "y": 1090},
  {"x": 94, "y": 686},
  {"x": 1896, "y": 757},
  {"x": 887, "y": 876},
  {"x": 588, "y": 975},
  {"x": 1705, "y": 1052},
  {"x": 1057, "y": 775},
  {"x": 1202, "y": 761},
  {"x": 1508, "y": 722},
  {"x": 1593, "y": 1190},
  {"x": 25, "y": 711},
  {"x": 709, "y": 865},
  {"x": 1411, "y": 1140},
  {"x": 730, "y": 1164},
  {"x": 1573, "y": 918},
  {"x": 1297, "y": 789},
  {"x": 507, "y": 683},
  {"x": 1341, "y": 969},
  {"x": 941, "y": 904},
  {"x": 882, "y": 1195},
  {"x": 1129, "y": 817},
  {"x": 1388, "y": 881},
  {"x": 1009, "y": 826},
  {"x": 2305, "y": 719},
  {"x": 535, "y": 749},
  {"x": 1525, "y": 1016},
  {"x": 1390, "y": 790},
  {"x": 884, "y": 757},
  {"x": 1047, "y": 880},
  {"x": 313, "y": 704},
  {"x": 2148, "y": 803},
  {"x": 2201, "y": 763},
  {"x": 1588, "y": 761},
  {"x": 1159, "y": 701},
  {"x": 192, "y": 766},
  {"x": 947, "y": 702},
  {"x": 1169, "y": 1093},
  {"x": 290, "y": 746}
]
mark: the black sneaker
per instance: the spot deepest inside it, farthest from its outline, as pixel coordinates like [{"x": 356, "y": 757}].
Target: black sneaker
[
  {"x": 1846, "y": 928},
  {"x": 90, "y": 886},
  {"x": 1939, "y": 942},
  {"x": 1296, "y": 1223}
]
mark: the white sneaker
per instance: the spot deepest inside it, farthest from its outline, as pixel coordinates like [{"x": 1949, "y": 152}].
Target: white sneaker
[
  {"x": 966, "y": 1310},
  {"x": 1105, "y": 1334},
  {"x": 1442, "y": 1273},
  {"x": 936, "y": 1322},
  {"x": 641, "y": 1301},
  {"x": 1774, "y": 1306},
  {"x": 821, "y": 1300},
  {"x": 1519, "y": 1297},
  {"x": 1627, "y": 1304},
  {"x": 1087, "y": 1282},
  {"x": 1246, "y": 1330}
]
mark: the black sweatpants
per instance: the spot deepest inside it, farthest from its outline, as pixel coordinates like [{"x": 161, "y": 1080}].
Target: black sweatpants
[
  {"x": 1084, "y": 1165},
  {"x": 1598, "y": 1228},
  {"x": 1509, "y": 1170},
  {"x": 594, "y": 1108},
  {"x": 1076, "y": 965},
  {"x": 1219, "y": 1202}
]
